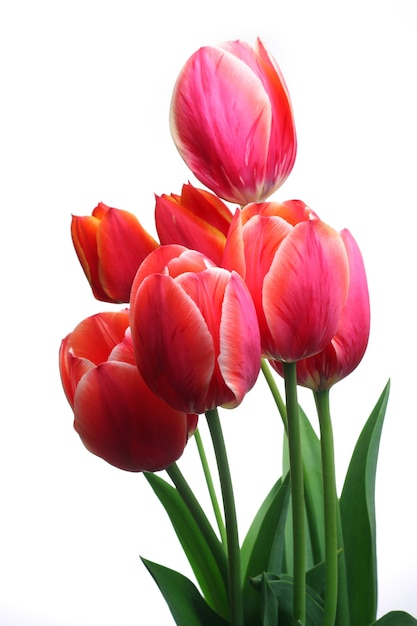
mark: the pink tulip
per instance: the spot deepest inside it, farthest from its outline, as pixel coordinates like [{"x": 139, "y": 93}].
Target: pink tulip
[
  {"x": 232, "y": 121},
  {"x": 196, "y": 219},
  {"x": 345, "y": 351},
  {"x": 116, "y": 415},
  {"x": 195, "y": 334},
  {"x": 297, "y": 273},
  {"x": 110, "y": 244}
]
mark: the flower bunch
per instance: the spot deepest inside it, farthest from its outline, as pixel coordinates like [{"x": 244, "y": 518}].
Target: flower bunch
[{"x": 237, "y": 284}]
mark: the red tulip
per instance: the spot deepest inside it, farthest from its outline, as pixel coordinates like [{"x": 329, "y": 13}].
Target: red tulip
[
  {"x": 196, "y": 219},
  {"x": 110, "y": 244},
  {"x": 297, "y": 273},
  {"x": 232, "y": 121},
  {"x": 115, "y": 413},
  {"x": 345, "y": 351},
  {"x": 195, "y": 334}
]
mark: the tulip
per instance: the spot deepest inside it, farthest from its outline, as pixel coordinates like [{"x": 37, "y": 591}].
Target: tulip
[
  {"x": 116, "y": 415},
  {"x": 232, "y": 122},
  {"x": 196, "y": 219},
  {"x": 345, "y": 351},
  {"x": 110, "y": 245},
  {"x": 297, "y": 273},
  {"x": 195, "y": 334}
]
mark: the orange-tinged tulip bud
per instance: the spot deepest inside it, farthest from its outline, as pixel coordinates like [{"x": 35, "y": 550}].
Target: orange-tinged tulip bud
[
  {"x": 196, "y": 219},
  {"x": 110, "y": 245},
  {"x": 232, "y": 121},
  {"x": 196, "y": 336},
  {"x": 297, "y": 272},
  {"x": 345, "y": 351},
  {"x": 116, "y": 415}
]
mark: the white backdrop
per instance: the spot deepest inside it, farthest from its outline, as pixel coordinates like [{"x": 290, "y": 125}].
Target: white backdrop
[{"x": 85, "y": 91}]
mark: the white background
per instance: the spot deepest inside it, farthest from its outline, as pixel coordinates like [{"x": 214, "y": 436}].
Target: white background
[{"x": 85, "y": 91}]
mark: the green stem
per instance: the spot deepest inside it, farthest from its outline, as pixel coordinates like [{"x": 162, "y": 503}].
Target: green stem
[
  {"x": 275, "y": 392},
  {"x": 210, "y": 486},
  {"x": 297, "y": 492},
  {"x": 233, "y": 548},
  {"x": 330, "y": 506},
  {"x": 199, "y": 516}
]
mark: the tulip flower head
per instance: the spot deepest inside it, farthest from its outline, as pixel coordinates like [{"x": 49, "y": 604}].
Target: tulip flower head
[
  {"x": 110, "y": 244},
  {"x": 195, "y": 333},
  {"x": 297, "y": 271},
  {"x": 345, "y": 351},
  {"x": 196, "y": 219},
  {"x": 116, "y": 415},
  {"x": 232, "y": 121}
]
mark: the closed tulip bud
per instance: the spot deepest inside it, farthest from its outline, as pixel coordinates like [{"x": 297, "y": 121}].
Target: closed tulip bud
[
  {"x": 196, "y": 219},
  {"x": 195, "y": 334},
  {"x": 297, "y": 272},
  {"x": 345, "y": 351},
  {"x": 110, "y": 245},
  {"x": 232, "y": 121},
  {"x": 116, "y": 415}
]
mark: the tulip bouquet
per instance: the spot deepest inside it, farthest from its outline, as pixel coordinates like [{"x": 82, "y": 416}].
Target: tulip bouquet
[{"x": 237, "y": 285}]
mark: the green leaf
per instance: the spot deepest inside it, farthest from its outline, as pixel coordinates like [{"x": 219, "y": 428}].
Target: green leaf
[
  {"x": 313, "y": 493},
  {"x": 282, "y": 587},
  {"x": 357, "y": 509},
  {"x": 210, "y": 572},
  {"x": 268, "y": 603},
  {"x": 396, "y": 618},
  {"x": 186, "y": 604},
  {"x": 263, "y": 547}
]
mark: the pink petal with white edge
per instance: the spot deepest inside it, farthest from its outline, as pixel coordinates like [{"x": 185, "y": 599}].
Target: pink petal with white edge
[
  {"x": 218, "y": 101},
  {"x": 240, "y": 343}
]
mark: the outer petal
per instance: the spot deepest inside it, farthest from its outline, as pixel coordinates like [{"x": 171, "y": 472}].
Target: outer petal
[
  {"x": 305, "y": 291},
  {"x": 119, "y": 419},
  {"x": 221, "y": 122},
  {"x": 89, "y": 344},
  {"x": 240, "y": 342},
  {"x": 173, "y": 346},
  {"x": 84, "y": 237},
  {"x": 262, "y": 237},
  {"x": 123, "y": 244}
]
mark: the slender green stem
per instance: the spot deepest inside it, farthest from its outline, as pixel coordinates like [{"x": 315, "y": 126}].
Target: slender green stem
[
  {"x": 233, "y": 548},
  {"x": 210, "y": 486},
  {"x": 275, "y": 392},
  {"x": 199, "y": 516},
  {"x": 330, "y": 506},
  {"x": 297, "y": 492}
]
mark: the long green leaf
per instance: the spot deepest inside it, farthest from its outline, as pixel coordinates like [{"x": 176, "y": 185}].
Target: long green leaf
[
  {"x": 396, "y": 618},
  {"x": 263, "y": 547},
  {"x": 186, "y": 604},
  {"x": 357, "y": 509},
  {"x": 282, "y": 588},
  {"x": 209, "y": 571}
]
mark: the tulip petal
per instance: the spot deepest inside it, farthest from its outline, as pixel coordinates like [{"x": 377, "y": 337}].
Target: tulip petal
[
  {"x": 305, "y": 290},
  {"x": 122, "y": 246},
  {"x": 240, "y": 343},
  {"x": 119, "y": 419},
  {"x": 173, "y": 346},
  {"x": 84, "y": 237}
]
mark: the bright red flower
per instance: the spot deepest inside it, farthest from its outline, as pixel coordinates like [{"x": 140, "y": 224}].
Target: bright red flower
[
  {"x": 232, "y": 121},
  {"x": 345, "y": 351},
  {"x": 196, "y": 219},
  {"x": 296, "y": 269},
  {"x": 195, "y": 333},
  {"x": 110, "y": 245},
  {"x": 115, "y": 413}
]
